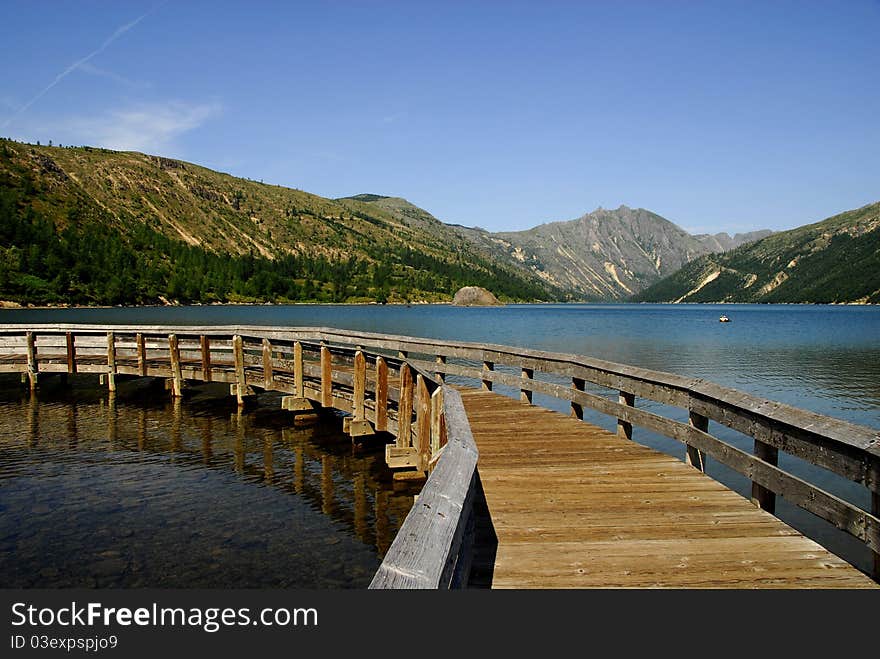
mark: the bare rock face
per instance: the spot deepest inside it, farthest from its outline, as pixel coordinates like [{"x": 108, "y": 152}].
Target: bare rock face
[{"x": 475, "y": 296}]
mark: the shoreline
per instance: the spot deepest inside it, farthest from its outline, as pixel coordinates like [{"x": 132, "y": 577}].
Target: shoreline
[{"x": 6, "y": 305}]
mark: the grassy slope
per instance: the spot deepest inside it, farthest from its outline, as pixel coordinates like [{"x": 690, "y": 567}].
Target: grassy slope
[
  {"x": 835, "y": 260},
  {"x": 220, "y": 214}
]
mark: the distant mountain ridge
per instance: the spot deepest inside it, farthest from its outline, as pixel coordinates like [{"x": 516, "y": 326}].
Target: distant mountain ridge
[
  {"x": 723, "y": 242},
  {"x": 836, "y": 260},
  {"x": 606, "y": 254}
]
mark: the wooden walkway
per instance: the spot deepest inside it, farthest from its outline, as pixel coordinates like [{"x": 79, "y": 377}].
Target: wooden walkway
[{"x": 574, "y": 506}]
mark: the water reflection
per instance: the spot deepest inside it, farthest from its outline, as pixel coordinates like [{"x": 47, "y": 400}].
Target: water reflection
[{"x": 136, "y": 490}]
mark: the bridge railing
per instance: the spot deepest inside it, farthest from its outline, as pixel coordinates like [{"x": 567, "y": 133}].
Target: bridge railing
[
  {"x": 434, "y": 546},
  {"x": 375, "y": 385},
  {"x": 842, "y": 448},
  {"x": 845, "y": 449}
]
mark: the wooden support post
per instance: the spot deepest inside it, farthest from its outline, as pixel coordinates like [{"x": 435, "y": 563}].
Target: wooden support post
[
  {"x": 381, "y": 394},
  {"x": 240, "y": 377},
  {"x": 358, "y": 426},
  {"x": 440, "y": 375},
  {"x": 525, "y": 395},
  {"x": 423, "y": 422},
  {"x": 762, "y": 497},
  {"x": 111, "y": 362},
  {"x": 141, "y": 353},
  {"x": 32, "y": 367},
  {"x": 298, "y": 390},
  {"x": 205, "y": 345},
  {"x": 577, "y": 410},
  {"x": 268, "y": 377},
  {"x": 71, "y": 352},
  {"x": 436, "y": 419},
  {"x": 404, "y": 407},
  {"x": 176, "y": 376},
  {"x": 326, "y": 377},
  {"x": 694, "y": 457},
  {"x": 487, "y": 367},
  {"x": 360, "y": 385},
  {"x": 624, "y": 428}
]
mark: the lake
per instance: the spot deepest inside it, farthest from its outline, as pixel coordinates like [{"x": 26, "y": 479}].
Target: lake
[{"x": 821, "y": 358}]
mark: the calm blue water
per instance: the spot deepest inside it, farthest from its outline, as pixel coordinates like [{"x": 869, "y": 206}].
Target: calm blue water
[{"x": 821, "y": 358}]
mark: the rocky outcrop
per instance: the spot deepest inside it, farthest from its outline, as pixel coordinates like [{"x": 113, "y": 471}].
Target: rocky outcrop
[{"x": 475, "y": 296}]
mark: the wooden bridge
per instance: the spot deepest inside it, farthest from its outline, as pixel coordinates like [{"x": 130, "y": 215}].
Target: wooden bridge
[{"x": 518, "y": 495}]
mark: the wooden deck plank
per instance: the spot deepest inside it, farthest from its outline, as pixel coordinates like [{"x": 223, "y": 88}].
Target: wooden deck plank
[{"x": 574, "y": 506}]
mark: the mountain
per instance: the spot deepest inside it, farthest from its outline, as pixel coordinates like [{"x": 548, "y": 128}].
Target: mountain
[
  {"x": 606, "y": 254},
  {"x": 86, "y": 225},
  {"x": 835, "y": 260},
  {"x": 722, "y": 242}
]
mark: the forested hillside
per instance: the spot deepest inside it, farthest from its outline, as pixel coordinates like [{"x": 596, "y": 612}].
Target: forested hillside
[
  {"x": 836, "y": 260},
  {"x": 92, "y": 226}
]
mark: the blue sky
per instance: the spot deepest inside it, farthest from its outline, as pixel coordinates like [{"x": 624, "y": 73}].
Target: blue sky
[{"x": 717, "y": 115}]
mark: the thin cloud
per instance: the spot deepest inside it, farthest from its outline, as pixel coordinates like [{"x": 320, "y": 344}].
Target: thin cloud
[
  {"x": 91, "y": 69},
  {"x": 151, "y": 128},
  {"x": 84, "y": 60}
]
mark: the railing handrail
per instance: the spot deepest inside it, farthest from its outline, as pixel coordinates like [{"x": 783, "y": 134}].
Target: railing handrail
[
  {"x": 845, "y": 433},
  {"x": 430, "y": 548}
]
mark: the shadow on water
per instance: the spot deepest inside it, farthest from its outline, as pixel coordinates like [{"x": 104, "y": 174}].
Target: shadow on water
[{"x": 137, "y": 490}]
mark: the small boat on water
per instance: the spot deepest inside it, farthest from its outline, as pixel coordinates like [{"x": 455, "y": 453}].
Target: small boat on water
[{"x": 724, "y": 319}]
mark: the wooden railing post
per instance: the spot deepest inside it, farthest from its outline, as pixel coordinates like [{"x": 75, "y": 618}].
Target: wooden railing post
[
  {"x": 625, "y": 428},
  {"x": 440, "y": 375},
  {"x": 71, "y": 352},
  {"x": 404, "y": 407},
  {"x": 762, "y": 497},
  {"x": 268, "y": 377},
  {"x": 176, "y": 376},
  {"x": 299, "y": 389},
  {"x": 436, "y": 419},
  {"x": 693, "y": 456},
  {"x": 487, "y": 368},
  {"x": 240, "y": 377},
  {"x": 326, "y": 377},
  {"x": 360, "y": 386},
  {"x": 205, "y": 345},
  {"x": 525, "y": 395},
  {"x": 577, "y": 410},
  {"x": 141, "y": 353},
  {"x": 111, "y": 362},
  {"x": 381, "y": 394},
  {"x": 423, "y": 422},
  {"x": 32, "y": 361}
]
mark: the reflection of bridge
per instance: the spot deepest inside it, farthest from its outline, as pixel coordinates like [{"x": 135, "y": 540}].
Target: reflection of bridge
[
  {"x": 338, "y": 483},
  {"x": 556, "y": 501}
]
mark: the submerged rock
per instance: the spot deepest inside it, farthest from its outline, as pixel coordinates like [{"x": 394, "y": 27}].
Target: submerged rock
[{"x": 475, "y": 296}]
